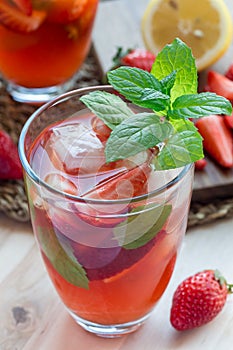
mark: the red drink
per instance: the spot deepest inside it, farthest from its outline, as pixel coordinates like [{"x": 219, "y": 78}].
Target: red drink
[
  {"x": 110, "y": 238},
  {"x": 45, "y": 46}
]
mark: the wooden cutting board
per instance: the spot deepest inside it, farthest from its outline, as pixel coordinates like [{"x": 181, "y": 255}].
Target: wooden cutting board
[{"x": 118, "y": 25}]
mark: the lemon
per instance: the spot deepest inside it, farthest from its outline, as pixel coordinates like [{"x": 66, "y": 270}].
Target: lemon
[{"x": 204, "y": 25}]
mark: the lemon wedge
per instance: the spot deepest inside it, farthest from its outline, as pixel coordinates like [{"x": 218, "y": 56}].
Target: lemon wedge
[{"x": 204, "y": 25}]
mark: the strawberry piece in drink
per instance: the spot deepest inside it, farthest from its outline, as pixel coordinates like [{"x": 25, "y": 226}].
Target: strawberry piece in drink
[
  {"x": 66, "y": 11},
  {"x": 24, "y": 5},
  {"x": 101, "y": 263},
  {"x": 102, "y": 130},
  {"x": 61, "y": 183},
  {"x": 14, "y": 19}
]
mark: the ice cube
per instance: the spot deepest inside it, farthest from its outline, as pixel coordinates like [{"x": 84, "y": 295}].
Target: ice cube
[
  {"x": 76, "y": 149},
  {"x": 62, "y": 184}
]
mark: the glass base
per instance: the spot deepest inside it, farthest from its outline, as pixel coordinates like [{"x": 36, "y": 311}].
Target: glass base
[
  {"x": 112, "y": 330},
  {"x": 37, "y": 95}
]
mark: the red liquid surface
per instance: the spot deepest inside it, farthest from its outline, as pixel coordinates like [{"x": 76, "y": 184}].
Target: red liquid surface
[
  {"x": 124, "y": 284},
  {"x": 51, "y": 54}
]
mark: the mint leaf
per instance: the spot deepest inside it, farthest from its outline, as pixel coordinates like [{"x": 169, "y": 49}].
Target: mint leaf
[
  {"x": 139, "y": 229},
  {"x": 136, "y": 134},
  {"x": 168, "y": 83},
  {"x": 108, "y": 107},
  {"x": 177, "y": 57},
  {"x": 66, "y": 266},
  {"x": 132, "y": 82},
  {"x": 182, "y": 148},
  {"x": 153, "y": 99},
  {"x": 199, "y": 105}
]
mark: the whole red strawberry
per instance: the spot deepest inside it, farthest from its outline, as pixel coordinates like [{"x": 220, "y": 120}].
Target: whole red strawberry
[
  {"x": 138, "y": 58},
  {"x": 200, "y": 164},
  {"x": 198, "y": 299},
  {"x": 10, "y": 166}
]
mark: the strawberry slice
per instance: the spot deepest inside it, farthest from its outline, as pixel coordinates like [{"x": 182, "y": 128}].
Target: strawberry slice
[
  {"x": 24, "y": 5},
  {"x": 228, "y": 119},
  {"x": 65, "y": 11},
  {"x": 102, "y": 263},
  {"x": 218, "y": 141},
  {"x": 220, "y": 84},
  {"x": 61, "y": 183},
  {"x": 229, "y": 72},
  {"x": 102, "y": 130},
  {"x": 16, "y": 20},
  {"x": 10, "y": 166},
  {"x": 130, "y": 184}
]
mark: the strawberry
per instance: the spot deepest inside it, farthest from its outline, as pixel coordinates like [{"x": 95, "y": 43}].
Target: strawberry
[
  {"x": 61, "y": 184},
  {"x": 218, "y": 141},
  {"x": 14, "y": 19},
  {"x": 198, "y": 300},
  {"x": 229, "y": 72},
  {"x": 228, "y": 119},
  {"x": 200, "y": 164},
  {"x": 130, "y": 184},
  {"x": 66, "y": 11},
  {"x": 219, "y": 84},
  {"x": 126, "y": 184},
  {"x": 24, "y": 5},
  {"x": 101, "y": 129},
  {"x": 10, "y": 166},
  {"x": 139, "y": 58},
  {"x": 102, "y": 263}
]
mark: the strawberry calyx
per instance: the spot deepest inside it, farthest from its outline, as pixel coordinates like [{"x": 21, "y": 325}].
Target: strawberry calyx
[
  {"x": 119, "y": 55},
  {"x": 222, "y": 281}
]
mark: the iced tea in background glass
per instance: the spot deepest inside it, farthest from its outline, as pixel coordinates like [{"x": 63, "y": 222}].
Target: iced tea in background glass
[
  {"x": 43, "y": 43},
  {"x": 109, "y": 234}
]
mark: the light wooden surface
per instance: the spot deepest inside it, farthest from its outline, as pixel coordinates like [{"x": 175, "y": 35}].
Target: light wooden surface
[
  {"x": 118, "y": 25},
  {"x": 33, "y": 318}
]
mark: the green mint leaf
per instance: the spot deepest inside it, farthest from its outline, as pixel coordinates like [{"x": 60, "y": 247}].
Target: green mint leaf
[
  {"x": 168, "y": 83},
  {"x": 199, "y": 105},
  {"x": 108, "y": 107},
  {"x": 177, "y": 57},
  {"x": 65, "y": 265},
  {"x": 154, "y": 100},
  {"x": 132, "y": 82},
  {"x": 139, "y": 229},
  {"x": 182, "y": 148},
  {"x": 136, "y": 134}
]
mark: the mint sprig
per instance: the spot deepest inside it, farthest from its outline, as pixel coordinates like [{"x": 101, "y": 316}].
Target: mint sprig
[{"x": 169, "y": 94}]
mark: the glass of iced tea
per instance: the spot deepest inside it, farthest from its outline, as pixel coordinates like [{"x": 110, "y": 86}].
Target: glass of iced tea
[
  {"x": 108, "y": 233},
  {"x": 43, "y": 43}
]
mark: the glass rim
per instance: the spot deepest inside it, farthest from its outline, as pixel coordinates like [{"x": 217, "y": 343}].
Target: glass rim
[{"x": 32, "y": 174}]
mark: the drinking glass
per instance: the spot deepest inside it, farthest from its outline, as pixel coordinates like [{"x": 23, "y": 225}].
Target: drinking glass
[
  {"x": 43, "y": 43},
  {"x": 109, "y": 234}
]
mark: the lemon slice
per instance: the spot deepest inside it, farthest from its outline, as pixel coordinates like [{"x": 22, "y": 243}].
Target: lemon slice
[{"x": 204, "y": 25}]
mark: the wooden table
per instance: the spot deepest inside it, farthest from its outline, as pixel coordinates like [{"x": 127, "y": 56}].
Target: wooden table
[{"x": 33, "y": 318}]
